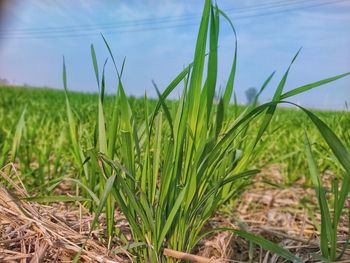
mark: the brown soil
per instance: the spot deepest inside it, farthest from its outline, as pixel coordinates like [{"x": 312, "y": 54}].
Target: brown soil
[{"x": 30, "y": 232}]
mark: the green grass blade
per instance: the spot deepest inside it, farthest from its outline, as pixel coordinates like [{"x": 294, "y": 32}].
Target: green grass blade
[
  {"x": 310, "y": 86},
  {"x": 170, "y": 220},
  {"x": 173, "y": 84},
  {"x": 156, "y": 157},
  {"x": 18, "y": 135},
  {"x": 106, "y": 192},
  {"x": 71, "y": 119},
  {"x": 267, "y": 81},
  {"x": 64, "y": 75},
  {"x": 111, "y": 54},
  {"x": 166, "y": 112},
  {"x": 265, "y": 244},
  {"x": 268, "y": 245},
  {"x": 194, "y": 90},
  {"x": 102, "y": 139},
  {"x": 231, "y": 80},
  {"x": 103, "y": 84},
  {"x": 212, "y": 59},
  {"x": 276, "y": 97},
  {"x": 332, "y": 140},
  {"x": 326, "y": 223},
  {"x": 340, "y": 152},
  {"x": 94, "y": 62},
  {"x": 219, "y": 118}
]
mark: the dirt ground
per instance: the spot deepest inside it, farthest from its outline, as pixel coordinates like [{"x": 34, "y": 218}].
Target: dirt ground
[{"x": 30, "y": 232}]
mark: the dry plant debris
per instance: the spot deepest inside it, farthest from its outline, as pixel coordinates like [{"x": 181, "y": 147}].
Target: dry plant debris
[
  {"x": 274, "y": 213},
  {"x": 31, "y": 232}
]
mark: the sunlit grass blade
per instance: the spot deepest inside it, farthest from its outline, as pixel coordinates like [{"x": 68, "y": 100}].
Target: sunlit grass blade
[
  {"x": 102, "y": 139},
  {"x": 165, "y": 110},
  {"x": 310, "y": 86},
  {"x": 107, "y": 190},
  {"x": 212, "y": 59},
  {"x": 170, "y": 219},
  {"x": 94, "y": 62},
  {"x": 326, "y": 223},
  {"x": 103, "y": 82},
  {"x": 198, "y": 65},
  {"x": 230, "y": 83},
  {"x": 263, "y": 87},
  {"x": 18, "y": 135},
  {"x": 343, "y": 156},
  {"x": 71, "y": 120},
  {"x": 219, "y": 117},
  {"x": 333, "y": 142},
  {"x": 276, "y": 97}
]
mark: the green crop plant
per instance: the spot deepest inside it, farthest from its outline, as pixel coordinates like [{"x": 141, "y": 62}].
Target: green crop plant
[
  {"x": 10, "y": 151},
  {"x": 341, "y": 123},
  {"x": 171, "y": 171},
  {"x": 336, "y": 197},
  {"x": 47, "y": 133}
]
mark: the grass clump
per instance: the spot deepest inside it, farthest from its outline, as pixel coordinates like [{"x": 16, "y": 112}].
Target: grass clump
[
  {"x": 170, "y": 172},
  {"x": 335, "y": 197}
]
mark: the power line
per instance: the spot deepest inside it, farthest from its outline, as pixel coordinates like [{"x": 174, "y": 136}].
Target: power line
[
  {"x": 146, "y": 21},
  {"x": 156, "y": 26},
  {"x": 124, "y": 25},
  {"x": 293, "y": 9}
]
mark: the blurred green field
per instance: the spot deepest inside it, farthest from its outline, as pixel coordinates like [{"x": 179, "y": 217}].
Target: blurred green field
[{"x": 45, "y": 153}]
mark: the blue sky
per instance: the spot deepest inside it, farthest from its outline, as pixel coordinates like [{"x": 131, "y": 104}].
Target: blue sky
[{"x": 158, "y": 40}]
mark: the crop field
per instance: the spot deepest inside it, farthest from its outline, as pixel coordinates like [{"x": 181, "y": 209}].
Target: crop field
[
  {"x": 45, "y": 133},
  {"x": 111, "y": 178}
]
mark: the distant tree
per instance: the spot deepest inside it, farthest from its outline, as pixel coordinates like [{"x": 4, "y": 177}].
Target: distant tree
[{"x": 251, "y": 94}]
